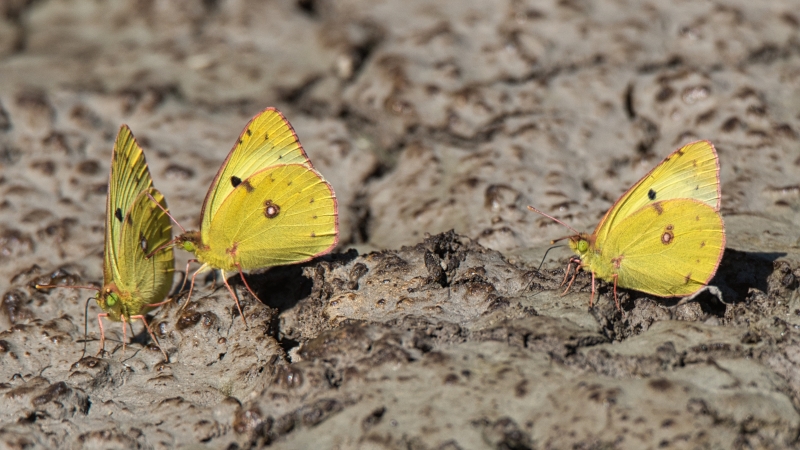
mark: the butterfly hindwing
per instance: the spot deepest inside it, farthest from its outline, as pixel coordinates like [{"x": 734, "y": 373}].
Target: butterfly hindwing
[
  {"x": 267, "y": 140},
  {"x": 281, "y": 215},
  {"x": 670, "y": 248},
  {"x": 145, "y": 228},
  {"x": 692, "y": 171}
]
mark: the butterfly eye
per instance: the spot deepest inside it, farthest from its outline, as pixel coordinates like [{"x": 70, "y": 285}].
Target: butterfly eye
[
  {"x": 111, "y": 299},
  {"x": 583, "y": 246},
  {"x": 271, "y": 210}
]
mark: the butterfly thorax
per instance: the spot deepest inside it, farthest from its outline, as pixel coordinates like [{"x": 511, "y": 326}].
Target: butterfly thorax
[
  {"x": 192, "y": 242},
  {"x": 585, "y": 246}
]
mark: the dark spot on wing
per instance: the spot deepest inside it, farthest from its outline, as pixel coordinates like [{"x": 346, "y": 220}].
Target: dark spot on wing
[
  {"x": 651, "y": 194},
  {"x": 271, "y": 210},
  {"x": 687, "y": 278},
  {"x": 659, "y": 209},
  {"x": 266, "y": 136},
  {"x": 313, "y": 234},
  {"x": 312, "y": 200},
  {"x": 240, "y": 142},
  {"x": 249, "y": 187},
  {"x": 236, "y": 181},
  {"x": 249, "y": 133},
  {"x": 130, "y": 220},
  {"x": 702, "y": 244},
  {"x": 118, "y": 214},
  {"x": 289, "y": 183}
]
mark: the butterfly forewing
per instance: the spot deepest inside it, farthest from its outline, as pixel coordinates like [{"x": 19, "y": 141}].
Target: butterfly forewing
[
  {"x": 284, "y": 214},
  {"x": 129, "y": 177},
  {"x": 144, "y": 229},
  {"x": 670, "y": 248},
  {"x": 267, "y": 140},
  {"x": 692, "y": 172}
]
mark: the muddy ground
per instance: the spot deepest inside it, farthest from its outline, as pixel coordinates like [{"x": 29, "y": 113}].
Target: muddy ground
[{"x": 425, "y": 117}]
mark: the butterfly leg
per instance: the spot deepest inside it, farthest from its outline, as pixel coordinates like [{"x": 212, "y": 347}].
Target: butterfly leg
[
  {"x": 102, "y": 334},
  {"x": 591, "y": 299},
  {"x": 152, "y": 336},
  {"x": 616, "y": 299},
  {"x": 574, "y": 275},
  {"x": 238, "y": 266},
  {"x": 566, "y": 272},
  {"x": 191, "y": 288},
  {"x": 235, "y": 299},
  {"x": 124, "y": 336}
]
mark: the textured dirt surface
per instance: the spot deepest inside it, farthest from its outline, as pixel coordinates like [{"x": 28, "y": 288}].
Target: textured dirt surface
[{"x": 425, "y": 117}]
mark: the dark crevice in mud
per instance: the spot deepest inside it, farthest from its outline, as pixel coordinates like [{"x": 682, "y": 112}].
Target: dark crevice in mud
[
  {"x": 288, "y": 344},
  {"x": 769, "y": 53},
  {"x": 308, "y": 7},
  {"x": 627, "y": 101},
  {"x": 294, "y": 95},
  {"x": 16, "y": 12},
  {"x": 361, "y": 210},
  {"x": 362, "y": 51}
]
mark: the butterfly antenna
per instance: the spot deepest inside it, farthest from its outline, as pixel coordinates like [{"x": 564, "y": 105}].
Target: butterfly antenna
[
  {"x": 53, "y": 286},
  {"x": 554, "y": 220},
  {"x": 169, "y": 243},
  {"x": 168, "y": 215},
  {"x": 545, "y": 256}
]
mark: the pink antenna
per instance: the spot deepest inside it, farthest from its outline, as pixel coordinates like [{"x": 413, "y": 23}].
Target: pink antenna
[
  {"x": 53, "y": 286},
  {"x": 554, "y": 220},
  {"x": 167, "y": 213}
]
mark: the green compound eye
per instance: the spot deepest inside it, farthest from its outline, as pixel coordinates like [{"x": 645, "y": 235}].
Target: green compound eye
[
  {"x": 112, "y": 299},
  {"x": 583, "y": 246},
  {"x": 189, "y": 246}
]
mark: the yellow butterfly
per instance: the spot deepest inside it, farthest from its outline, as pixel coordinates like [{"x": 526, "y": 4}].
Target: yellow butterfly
[
  {"x": 136, "y": 223},
  {"x": 266, "y": 207},
  {"x": 665, "y": 235}
]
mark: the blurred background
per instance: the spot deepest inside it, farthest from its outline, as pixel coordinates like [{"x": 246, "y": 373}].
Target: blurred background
[{"x": 425, "y": 116}]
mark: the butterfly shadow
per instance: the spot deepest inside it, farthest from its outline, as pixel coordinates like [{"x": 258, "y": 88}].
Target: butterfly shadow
[
  {"x": 283, "y": 287},
  {"x": 740, "y": 271}
]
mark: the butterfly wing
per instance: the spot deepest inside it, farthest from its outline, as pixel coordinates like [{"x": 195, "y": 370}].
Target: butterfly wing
[
  {"x": 145, "y": 228},
  {"x": 692, "y": 171},
  {"x": 670, "y": 248},
  {"x": 267, "y": 140},
  {"x": 129, "y": 177},
  {"x": 281, "y": 215}
]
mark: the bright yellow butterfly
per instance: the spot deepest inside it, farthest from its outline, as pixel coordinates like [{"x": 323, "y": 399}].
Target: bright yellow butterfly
[
  {"x": 133, "y": 282},
  {"x": 665, "y": 235},
  {"x": 266, "y": 207}
]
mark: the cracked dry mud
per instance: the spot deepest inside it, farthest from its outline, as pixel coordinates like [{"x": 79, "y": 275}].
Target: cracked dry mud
[{"x": 425, "y": 117}]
